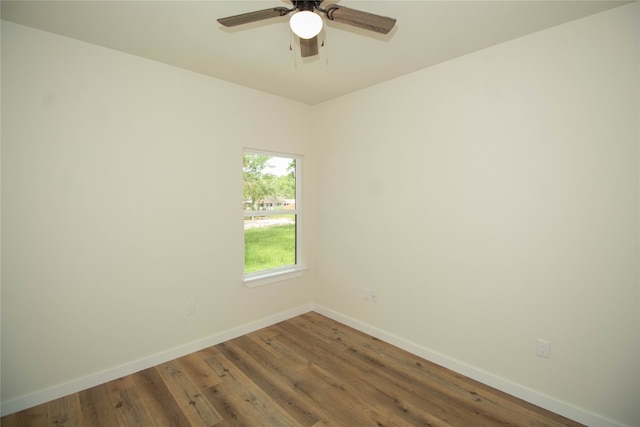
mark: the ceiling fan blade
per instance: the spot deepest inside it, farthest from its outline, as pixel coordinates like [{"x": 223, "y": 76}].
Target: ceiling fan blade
[
  {"x": 309, "y": 47},
  {"x": 357, "y": 18},
  {"x": 258, "y": 15}
]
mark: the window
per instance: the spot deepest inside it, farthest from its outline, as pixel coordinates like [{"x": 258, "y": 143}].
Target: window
[{"x": 271, "y": 207}]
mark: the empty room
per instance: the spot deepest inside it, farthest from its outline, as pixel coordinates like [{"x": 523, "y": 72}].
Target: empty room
[{"x": 420, "y": 213}]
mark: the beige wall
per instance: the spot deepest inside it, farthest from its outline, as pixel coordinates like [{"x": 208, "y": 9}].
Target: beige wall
[
  {"x": 121, "y": 183},
  {"x": 493, "y": 200}
]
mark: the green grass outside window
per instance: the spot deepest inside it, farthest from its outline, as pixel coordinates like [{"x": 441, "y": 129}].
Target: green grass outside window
[{"x": 269, "y": 247}]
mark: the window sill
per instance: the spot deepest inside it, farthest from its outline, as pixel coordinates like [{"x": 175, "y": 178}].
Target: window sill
[{"x": 253, "y": 280}]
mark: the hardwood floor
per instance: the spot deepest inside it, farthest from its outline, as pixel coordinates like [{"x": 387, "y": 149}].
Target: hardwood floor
[{"x": 306, "y": 371}]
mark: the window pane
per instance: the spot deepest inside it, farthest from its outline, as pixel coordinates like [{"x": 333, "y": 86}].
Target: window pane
[
  {"x": 269, "y": 182},
  {"x": 269, "y": 242}
]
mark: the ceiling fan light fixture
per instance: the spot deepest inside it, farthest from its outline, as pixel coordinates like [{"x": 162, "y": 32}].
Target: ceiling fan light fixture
[{"x": 306, "y": 24}]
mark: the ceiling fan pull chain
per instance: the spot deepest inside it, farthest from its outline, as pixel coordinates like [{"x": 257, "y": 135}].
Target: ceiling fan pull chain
[
  {"x": 293, "y": 53},
  {"x": 326, "y": 54}
]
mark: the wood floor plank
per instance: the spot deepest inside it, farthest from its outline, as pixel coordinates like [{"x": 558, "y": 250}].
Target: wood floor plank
[
  {"x": 368, "y": 388},
  {"x": 274, "y": 376},
  {"x": 308, "y": 371},
  {"x": 241, "y": 399},
  {"x": 193, "y": 403},
  {"x": 408, "y": 389},
  {"x": 497, "y": 407},
  {"x": 15, "y": 419},
  {"x": 402, "y": 368},
  {"x": 401, "y": 391},
  {"x": 313, "y": 382},
  {"x": 97, "y": 407},
  {"x": 351, "y": 403},
  {"x": 128, "y": 405},
  {"x": 276, "y": 348},
  {"x": 66, "y": 411},
  {"x": 160, "y": 403},
  {"x": 331, "y": 395},
  {"x": 37, "y": 416},
  {"x": 221, "y": 397},
  {"x": 196, "y": 367},
  {"x": 330, "y": 333}
]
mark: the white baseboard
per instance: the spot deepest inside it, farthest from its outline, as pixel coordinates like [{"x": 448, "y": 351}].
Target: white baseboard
[
  {"x": 46, "y": 395},
  {"x": 547, "y": 402}
]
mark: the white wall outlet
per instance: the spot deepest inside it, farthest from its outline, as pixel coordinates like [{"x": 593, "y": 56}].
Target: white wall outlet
[
  {"x": 191, "y": 308},
  {"x": 370, "y": 295},
  {"x": 543, "y": 348},
  {"x": 373, "y": 296}
]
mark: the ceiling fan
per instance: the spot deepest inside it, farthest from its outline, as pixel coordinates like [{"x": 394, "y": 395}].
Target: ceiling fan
[{"x": 307, "y": 24}]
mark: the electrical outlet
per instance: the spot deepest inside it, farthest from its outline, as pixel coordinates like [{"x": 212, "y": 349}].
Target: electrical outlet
[
  {"x": 191, "y": 308},
  {"x": 543, "y": 348},
  {"x": 370, "y": 295},
  {"x": 373, "y": 296}
]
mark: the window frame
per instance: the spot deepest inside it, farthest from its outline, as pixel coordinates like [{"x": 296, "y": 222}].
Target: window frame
[{"x": 264, "y": 277}]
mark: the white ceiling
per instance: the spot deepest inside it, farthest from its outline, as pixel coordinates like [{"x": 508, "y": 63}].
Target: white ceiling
[{"x": 185, "y": 34}]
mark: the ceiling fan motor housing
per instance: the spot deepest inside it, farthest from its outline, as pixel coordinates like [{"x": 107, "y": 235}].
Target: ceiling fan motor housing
[{"x": 307, "y": 5}]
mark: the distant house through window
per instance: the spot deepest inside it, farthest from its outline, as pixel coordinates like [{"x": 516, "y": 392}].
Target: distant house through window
[{"x": 270, "y": 192}]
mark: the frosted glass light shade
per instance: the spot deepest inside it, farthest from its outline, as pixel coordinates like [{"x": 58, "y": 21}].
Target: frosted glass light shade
[{"x": 306, "y": 24}]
